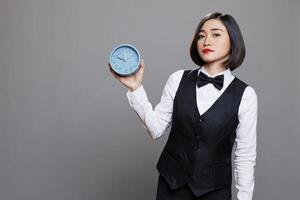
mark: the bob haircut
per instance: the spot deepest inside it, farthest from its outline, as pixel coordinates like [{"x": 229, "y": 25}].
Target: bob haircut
[{"x": 237, "y": 46}]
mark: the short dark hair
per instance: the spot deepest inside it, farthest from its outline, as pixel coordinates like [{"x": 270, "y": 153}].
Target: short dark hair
[{"x": 237, "y": 49}]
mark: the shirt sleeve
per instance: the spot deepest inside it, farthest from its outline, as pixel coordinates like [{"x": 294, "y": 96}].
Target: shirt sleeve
[
  {"x": 158, "y": 120},
  {"x": 245, "y": 152}
]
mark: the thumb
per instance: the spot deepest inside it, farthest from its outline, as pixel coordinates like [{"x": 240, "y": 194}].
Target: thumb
[{"x": 142, "y": 65}]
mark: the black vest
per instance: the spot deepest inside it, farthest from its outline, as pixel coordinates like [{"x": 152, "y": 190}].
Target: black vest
[{"x": 198, "y": 150}]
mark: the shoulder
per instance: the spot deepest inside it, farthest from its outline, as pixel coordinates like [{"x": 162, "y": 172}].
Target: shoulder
[
  {"x": 174, "y": 80},
  {"x": 249, "y": 96},
  {"x": 249, "y": 91},
  {"x": 177, "y": 75},
  {"x": 249, "y": 100}
]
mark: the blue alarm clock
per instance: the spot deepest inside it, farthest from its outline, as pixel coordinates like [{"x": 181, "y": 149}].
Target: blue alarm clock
[{"x": 125, "y": 60}]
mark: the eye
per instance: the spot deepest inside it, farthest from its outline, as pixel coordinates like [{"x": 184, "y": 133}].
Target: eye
[
  {"x": 216, "y": 35},
  {"x": 201, "y": 36}
]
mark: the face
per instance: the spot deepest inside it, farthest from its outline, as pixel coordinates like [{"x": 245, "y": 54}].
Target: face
[{"x": 214, "y": 43}]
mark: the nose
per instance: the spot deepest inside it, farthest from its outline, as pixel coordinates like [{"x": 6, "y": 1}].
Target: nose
[{"x": 207, "y": 41}]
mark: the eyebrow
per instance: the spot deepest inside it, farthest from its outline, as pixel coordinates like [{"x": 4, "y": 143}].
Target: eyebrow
[{"x": 213, "y": 29}]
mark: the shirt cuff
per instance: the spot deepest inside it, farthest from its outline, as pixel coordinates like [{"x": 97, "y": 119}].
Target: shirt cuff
[{"x": 137, "y": 96}]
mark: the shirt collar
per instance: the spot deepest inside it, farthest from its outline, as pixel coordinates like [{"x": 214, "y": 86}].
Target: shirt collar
[{"x": 227, "y": 73}]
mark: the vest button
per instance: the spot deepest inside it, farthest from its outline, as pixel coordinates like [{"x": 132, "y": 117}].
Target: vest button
[
  {"x": 195, "y": 147},
  {"x": 201, "y": 120}
]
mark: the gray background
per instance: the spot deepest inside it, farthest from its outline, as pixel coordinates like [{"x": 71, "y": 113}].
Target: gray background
[{"x": 67, "y": 130}]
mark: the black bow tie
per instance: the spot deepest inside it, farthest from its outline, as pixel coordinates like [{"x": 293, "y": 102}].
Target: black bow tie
[{"x": 203, "y": 79}]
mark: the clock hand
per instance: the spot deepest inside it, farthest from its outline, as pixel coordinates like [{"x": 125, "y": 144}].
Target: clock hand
[
  {"x": 124, "y": 53},
  {"x": 121, "y": 58}
]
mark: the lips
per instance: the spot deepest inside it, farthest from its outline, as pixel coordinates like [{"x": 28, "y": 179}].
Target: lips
[{"x": 207, "y": 50}]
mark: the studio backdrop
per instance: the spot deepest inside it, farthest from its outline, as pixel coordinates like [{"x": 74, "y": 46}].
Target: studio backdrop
[{"x": 67, "y": 131}]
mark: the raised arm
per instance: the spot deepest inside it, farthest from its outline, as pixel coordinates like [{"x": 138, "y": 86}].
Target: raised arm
[{"x": 158, "y": 120}]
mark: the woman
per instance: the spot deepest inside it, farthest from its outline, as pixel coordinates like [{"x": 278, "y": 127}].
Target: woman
[{"x": 209, "y": 110}]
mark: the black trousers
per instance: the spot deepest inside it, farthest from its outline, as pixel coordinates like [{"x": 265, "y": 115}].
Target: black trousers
[{"x": 164, "y": 192}]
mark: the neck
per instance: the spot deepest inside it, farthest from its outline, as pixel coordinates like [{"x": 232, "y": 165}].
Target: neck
[{"x": 214, "y": 68}]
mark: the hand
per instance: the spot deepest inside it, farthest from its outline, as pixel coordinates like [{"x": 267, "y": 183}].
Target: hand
[{"x": 131, "y": 82}]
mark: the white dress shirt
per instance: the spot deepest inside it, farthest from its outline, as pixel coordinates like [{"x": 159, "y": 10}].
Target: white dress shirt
[{"x": 157, "y": 121}]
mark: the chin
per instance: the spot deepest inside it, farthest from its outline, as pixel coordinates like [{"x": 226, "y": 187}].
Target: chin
[{"x": 208, "y": 60}]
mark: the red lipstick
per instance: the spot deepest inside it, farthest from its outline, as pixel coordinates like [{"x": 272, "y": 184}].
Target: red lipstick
[{"x": 206, "y": 50}]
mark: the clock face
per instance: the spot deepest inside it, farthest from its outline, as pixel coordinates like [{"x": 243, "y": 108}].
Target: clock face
[{"x": 125, "y": 59}]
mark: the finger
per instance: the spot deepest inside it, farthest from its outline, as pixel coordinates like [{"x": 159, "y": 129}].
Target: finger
[
  {"x": 142, "y": 65},
  {"x": 110, "y": 68},
  {"x": 112, "y": 71}
]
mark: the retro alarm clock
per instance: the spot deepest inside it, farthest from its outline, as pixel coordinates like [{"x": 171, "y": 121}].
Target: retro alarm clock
[{"x": 125, "y": 60}]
